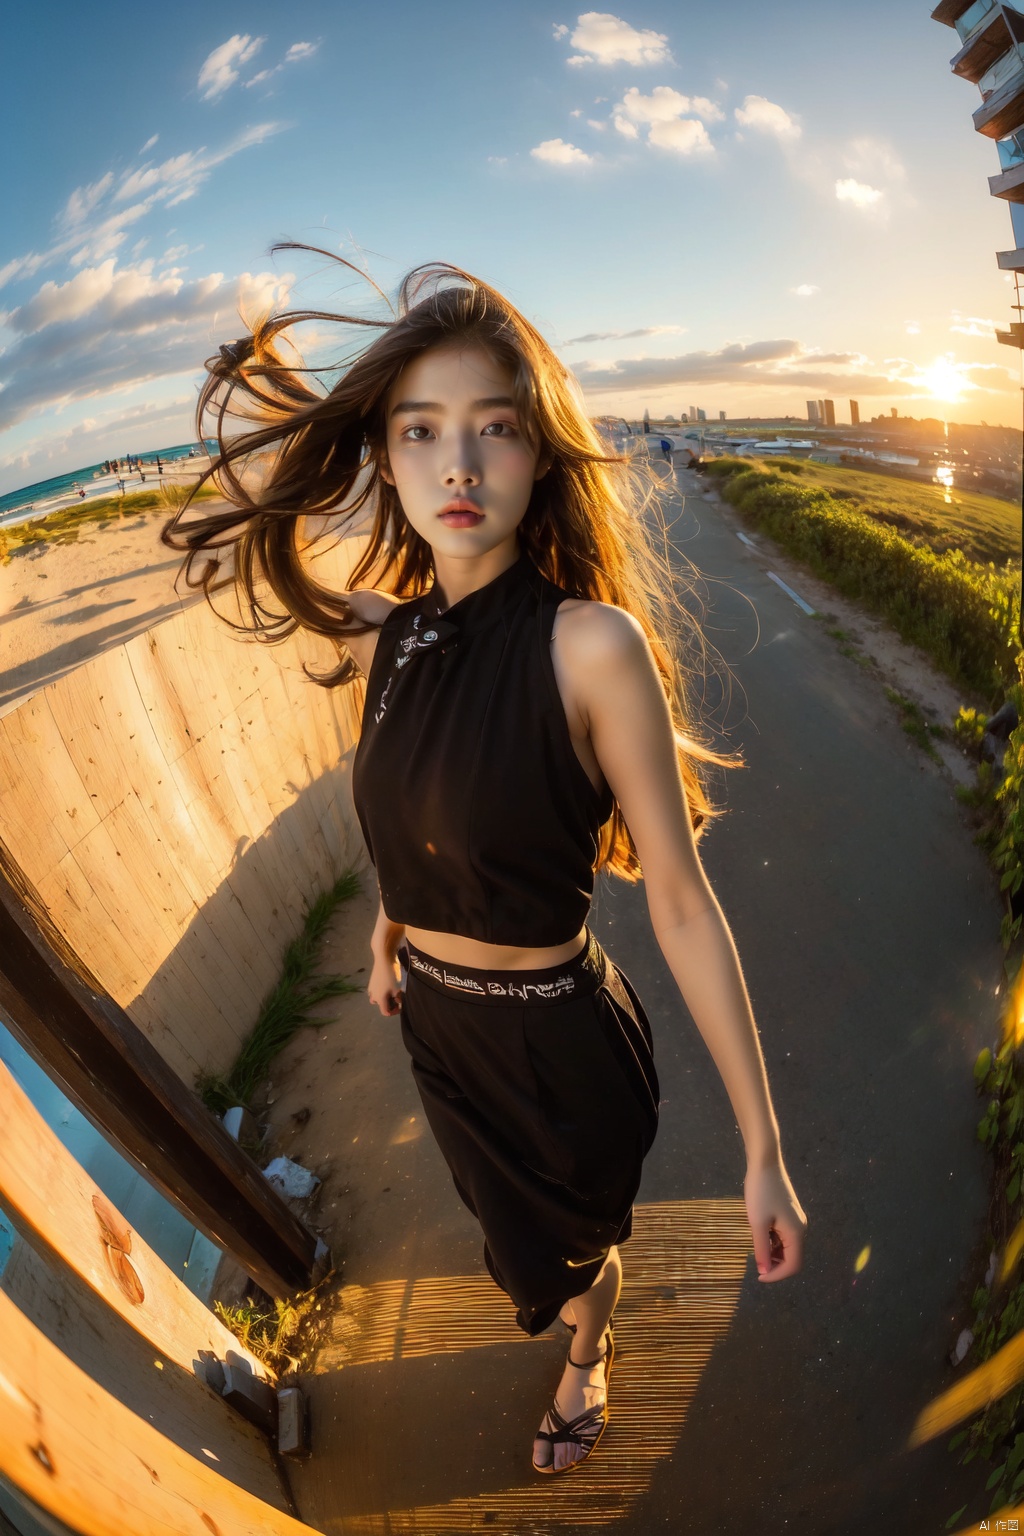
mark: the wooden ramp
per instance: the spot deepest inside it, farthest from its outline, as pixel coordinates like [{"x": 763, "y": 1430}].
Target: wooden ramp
[{"x": 175, "y": 801}]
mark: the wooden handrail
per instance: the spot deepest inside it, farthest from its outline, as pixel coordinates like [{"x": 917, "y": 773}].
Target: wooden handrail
[
  {"x": 52, "y": 1200},
  {"x": 90, "y": 1462},
  {"x": 121, "y": 1083}
]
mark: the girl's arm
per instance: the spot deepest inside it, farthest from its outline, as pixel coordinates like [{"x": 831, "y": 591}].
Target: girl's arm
[
  {"x": 384, "y": 989},
  {"x": 603, "y": 658},
  {"x": 369, "y": 607}
]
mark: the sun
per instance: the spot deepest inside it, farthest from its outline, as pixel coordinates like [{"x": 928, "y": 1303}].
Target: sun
[{"x": 944, "y": 380}]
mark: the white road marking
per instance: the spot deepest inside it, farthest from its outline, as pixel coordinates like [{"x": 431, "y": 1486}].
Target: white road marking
[
  {"x": 743, "y": 536},
  {"x": 790, "y": 593}
]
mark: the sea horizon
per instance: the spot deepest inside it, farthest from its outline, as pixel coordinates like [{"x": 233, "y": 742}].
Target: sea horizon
[{"x": 43, "y": 496}]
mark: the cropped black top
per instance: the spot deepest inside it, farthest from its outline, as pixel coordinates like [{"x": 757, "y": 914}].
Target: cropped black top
[{"x": 480, "y": 818}]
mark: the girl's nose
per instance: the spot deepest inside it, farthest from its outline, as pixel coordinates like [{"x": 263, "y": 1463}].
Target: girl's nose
[{"x": 463, "y": 465}]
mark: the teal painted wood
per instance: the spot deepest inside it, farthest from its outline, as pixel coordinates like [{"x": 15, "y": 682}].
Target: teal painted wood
[{"x": 188, "y": 1253}]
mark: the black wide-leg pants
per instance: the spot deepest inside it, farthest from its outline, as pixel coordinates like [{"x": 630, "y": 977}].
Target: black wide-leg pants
[{"x": 541, "y": 1091}]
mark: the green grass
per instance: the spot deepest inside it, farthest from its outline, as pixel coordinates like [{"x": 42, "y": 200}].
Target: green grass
[
  {"x": 984, "y": 527},
  {"x": 285, "y": 1009},
  {"x": 284, "y": 1334},
  {"x": 65, "y": 525},
  {"x": 869, "y": 536},
  {"x": 914, "y": 723}
]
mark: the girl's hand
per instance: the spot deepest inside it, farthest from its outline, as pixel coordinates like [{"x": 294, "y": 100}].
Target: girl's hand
[
  {"x": 385, "y": 985},
  {"x": 776, "y": 1220}
]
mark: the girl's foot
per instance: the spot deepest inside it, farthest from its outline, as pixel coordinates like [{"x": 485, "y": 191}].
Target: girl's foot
[{"x": 572, "y": 1427}]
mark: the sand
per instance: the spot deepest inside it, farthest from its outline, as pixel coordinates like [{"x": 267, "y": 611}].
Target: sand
[{"x": 60, "y": 604}]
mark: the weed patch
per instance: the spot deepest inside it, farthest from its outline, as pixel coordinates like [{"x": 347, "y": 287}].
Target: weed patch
[{"x": 287, "y": 1008}]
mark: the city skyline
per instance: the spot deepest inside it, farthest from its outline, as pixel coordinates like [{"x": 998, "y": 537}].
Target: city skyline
[{"x": 674, "y": 204}]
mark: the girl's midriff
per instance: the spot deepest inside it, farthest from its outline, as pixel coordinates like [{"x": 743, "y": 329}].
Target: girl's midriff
[{"x": 478, "y": 956}]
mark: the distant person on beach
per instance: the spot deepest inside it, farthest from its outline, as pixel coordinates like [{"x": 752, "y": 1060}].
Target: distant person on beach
[
  {"x": 666, "y": 448},
  {"x": 526, "y": 724}
]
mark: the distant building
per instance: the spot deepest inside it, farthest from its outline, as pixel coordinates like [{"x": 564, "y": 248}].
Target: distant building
[
  {"x": 691, "y": 414},
  {"x": 813, "y": 414},
  {"x": 829, "y": 412},
  {"x": 854, "y": 414},
  {"x": 702, "y": 415},
  {"x": 647, "y": 421},
  {"x": 721, "y": 415},
  {"x": 894, "y": 412}
]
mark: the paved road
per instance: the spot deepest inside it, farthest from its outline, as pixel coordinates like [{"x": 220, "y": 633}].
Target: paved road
[{"x": 867, "y": 926}]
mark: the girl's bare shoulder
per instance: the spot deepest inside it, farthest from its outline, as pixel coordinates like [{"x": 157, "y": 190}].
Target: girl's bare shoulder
[
  {"x": 371, "y": 606},
  {"x": 590, "y": 631}
]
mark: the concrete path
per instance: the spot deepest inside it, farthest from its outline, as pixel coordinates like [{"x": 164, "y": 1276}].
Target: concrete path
[{"x": 867, "y": 926}]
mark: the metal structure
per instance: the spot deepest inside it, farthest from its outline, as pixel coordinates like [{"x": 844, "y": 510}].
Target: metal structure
[{"x": 991, "y": 56}]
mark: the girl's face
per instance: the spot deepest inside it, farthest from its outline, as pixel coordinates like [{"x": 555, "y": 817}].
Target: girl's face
[{"x": 456, "y": 453}]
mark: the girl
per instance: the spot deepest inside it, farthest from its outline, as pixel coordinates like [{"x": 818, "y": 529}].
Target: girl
[{"x": 524, "y": 726}]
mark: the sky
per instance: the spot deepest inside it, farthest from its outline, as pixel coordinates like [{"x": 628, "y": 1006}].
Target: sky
[{"x": 738, "y": 207}]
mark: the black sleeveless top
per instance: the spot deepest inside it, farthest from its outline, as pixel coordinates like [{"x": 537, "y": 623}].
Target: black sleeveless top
[{"x": 480, "y": 818}]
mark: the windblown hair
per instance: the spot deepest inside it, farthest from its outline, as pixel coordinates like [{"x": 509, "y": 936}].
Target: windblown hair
[{"x": 591, "y": 525}]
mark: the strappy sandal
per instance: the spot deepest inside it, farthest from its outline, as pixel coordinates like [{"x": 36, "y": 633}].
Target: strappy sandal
[{"x": 586, "y": 1429}]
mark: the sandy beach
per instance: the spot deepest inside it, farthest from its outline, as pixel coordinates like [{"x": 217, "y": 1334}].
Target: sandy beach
[{"x": 60, "y": 604}]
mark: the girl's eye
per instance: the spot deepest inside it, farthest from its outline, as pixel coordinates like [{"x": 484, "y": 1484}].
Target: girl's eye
[
  {"x": 504, "y": 428},
  {"x": 410, "y": 430}
]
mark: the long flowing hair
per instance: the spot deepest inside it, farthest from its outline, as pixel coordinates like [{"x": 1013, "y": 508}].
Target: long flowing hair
[{"x": 593, "y": 524}]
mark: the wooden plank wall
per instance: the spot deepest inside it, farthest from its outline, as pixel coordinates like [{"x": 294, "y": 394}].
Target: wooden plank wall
[
  {"x": 89, "y": 1461},
  {"x": 174, "y": 801},
  {"x": 59, "y": 1210}
]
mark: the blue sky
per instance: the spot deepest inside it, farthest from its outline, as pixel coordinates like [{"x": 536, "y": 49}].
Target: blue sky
[{"x": 737, "y": 207}]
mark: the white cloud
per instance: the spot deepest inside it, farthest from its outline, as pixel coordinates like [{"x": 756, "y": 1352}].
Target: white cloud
[
  {"x": 662, "y": 114},
  {"x": 873, "y": 160},
  {"x": 558, "y": 152},
  {"x": 805, "y": 290},
  {"x": 773, "y": 364},
  {"x": 659, "y": 107},
  {"x": 858, "y": 193},
  {"x": 296, "y": 52},
  {"x": 766, "y": 116},
  {"x": 595, "y": 123},
  {"x": 220, "y": 68},
  {"x": 972, "y": 325},
  {"x": 576, "y": 112},
  {"x": 913, "y": 329},
  {"x": 561, "y": 31},
  {"x": 606, "y": 39},
  {"x": 109, "y": 328},
  {"x": 84, "y": 199},
  {"x": 647, "y": 330},
  {"x": 686, "y": 136},
  {"x": 90, "y": 232},
  {"x": 710, "y": 111},
  {"x": 149, "y": 143},
  {"x": 23, "y": 266},
  {"x": 664, "y": 104}
]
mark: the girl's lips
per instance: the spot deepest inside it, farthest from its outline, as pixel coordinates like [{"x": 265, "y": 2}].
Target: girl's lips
[{"x": 461, "y": 519}]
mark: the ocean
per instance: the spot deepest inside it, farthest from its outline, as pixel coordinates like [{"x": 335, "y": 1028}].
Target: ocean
[{"x": 36, "y": 500}]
